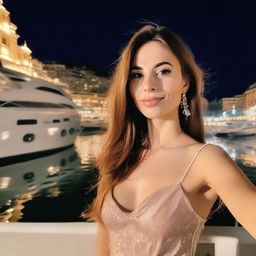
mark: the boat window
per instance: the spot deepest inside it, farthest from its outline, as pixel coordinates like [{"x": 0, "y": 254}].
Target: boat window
[
  {"x": 8, "y": 104},
  {"x": 67, "y": 106},
  {"x": 63, "y": 133},
  {"x": 29, "y": 137},
  {"x": 17, "y": 79},
  {"x": 33, "y": 104},
  {"x": 47, "y": 89},
  {"x": 72, "y": 130},
  {"x": 12, "y": 75},
  {"x": 26, "y": 121}
]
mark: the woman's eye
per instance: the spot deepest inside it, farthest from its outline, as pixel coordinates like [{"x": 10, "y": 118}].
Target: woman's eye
[
  {"x": 164, "y": 71},
  {"x": 135, "y": 75}
]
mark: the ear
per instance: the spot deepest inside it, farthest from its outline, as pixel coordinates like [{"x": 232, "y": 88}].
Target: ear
[{"x": 185, "y": 83}]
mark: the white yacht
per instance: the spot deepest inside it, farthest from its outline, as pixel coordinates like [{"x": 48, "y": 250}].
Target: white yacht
[{"x": 36, "y": 116}]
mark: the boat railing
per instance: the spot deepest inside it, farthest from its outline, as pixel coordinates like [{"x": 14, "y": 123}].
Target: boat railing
[{"x": 79, "y": 239}]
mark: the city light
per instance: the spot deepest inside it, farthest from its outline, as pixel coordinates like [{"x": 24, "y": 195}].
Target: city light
[
  {"x": 4, "y": 135},
  {"x": 4, "y": 182},
  {"x": 53, "y": 130}
]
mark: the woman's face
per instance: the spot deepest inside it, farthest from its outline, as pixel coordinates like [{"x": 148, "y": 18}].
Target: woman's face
[{"x": 156, "y": 72}]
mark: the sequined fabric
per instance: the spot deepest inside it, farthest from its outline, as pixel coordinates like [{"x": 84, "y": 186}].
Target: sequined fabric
[{"x": 163, "y": 224}]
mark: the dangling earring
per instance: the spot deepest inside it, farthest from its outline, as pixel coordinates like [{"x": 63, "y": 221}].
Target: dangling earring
[{"x": 184, "y": 104}]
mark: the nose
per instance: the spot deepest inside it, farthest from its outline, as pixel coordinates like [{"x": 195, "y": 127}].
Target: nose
[{"x": 149, "y": 83}]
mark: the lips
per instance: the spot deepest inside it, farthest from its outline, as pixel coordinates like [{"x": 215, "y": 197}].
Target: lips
[
  {"x": 150, "y": 102},
  {"x": 151, "y": 99}
]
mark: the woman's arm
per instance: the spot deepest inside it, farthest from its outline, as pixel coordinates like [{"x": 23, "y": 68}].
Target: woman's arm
[
  {"x": 231, "y": 184},
  {"x": 102, "y": 241}
]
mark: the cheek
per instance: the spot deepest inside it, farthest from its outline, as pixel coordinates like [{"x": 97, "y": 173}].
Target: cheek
[
  {"x": 174, "y": 96},
  {"x": 173, "y": 87},
  {"x": 173, "y": 92}
]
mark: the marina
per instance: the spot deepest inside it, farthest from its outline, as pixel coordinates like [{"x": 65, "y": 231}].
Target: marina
[
  {"x": 39, "y": 112},
  {"x": 49, "y": 146},
  {"x": 43, "y": 198},
  {"x": 54, "y": 115},
  {"x": 53, "y": 187}
]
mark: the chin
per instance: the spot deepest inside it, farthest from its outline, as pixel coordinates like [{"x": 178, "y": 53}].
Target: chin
[
  {"x": 152, "y": 115},
  {"x": 159, "y": 114}
]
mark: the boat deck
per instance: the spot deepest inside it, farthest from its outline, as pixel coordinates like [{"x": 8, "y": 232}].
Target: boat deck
[{"x": 78, "y": 239}]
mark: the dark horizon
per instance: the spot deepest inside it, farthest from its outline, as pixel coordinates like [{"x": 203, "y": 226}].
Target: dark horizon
[{"x": 222, "y": 36}]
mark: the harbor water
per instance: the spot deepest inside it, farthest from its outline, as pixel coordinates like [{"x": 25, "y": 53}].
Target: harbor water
[{"x": 54, "y": 187}]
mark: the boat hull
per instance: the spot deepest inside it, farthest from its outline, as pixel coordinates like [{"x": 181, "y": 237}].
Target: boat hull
[{"x": 45, "y": 130}]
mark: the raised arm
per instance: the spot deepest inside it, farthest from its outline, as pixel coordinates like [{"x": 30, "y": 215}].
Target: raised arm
[{"x": 231, "y": 184}]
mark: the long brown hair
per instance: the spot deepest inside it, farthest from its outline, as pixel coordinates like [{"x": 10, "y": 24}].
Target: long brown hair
[{"x": 127, "y": 132}]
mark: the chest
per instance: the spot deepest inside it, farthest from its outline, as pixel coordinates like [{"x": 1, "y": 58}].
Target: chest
[{"x": 161, "y": 170}]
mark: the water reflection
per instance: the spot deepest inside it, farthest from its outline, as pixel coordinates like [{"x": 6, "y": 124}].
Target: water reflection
[
  {"x": 88, "y": 145},
  {"x": 21, "y": 182},
  {"x": 52, "y": 188}
]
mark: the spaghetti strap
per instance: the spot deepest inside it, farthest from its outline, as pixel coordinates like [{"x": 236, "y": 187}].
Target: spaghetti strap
[{"x": 186, "y": 171}]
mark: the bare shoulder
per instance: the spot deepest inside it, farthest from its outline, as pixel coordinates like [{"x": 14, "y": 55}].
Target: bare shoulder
[
  {"x": 212, "y": 152},
  {"x": 218, "y": 168},
  {"x": 210, "y": 160},
  {"x": 213, "y": 156}
]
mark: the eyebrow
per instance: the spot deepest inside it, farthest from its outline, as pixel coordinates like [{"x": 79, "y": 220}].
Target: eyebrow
[{"x": 157, "y": 65}]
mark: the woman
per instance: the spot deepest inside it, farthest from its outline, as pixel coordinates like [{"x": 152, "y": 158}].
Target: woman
[{"x": 158, "y": 179}]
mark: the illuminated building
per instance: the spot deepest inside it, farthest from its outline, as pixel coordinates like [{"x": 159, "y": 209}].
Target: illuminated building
[
  {"x": 250, "y": 96},
  {"x": 13, "y": 56},
  {"x": 86, "y": 90},
  {"x": 237, "y": 100},
  {"x": 242, "y": 102},
  {"x": 92, "y": 106},
  {"x": 80, "y": 80}
]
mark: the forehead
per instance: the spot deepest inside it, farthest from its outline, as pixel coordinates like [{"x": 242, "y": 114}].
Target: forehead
[{"x": 154, "y": 52}]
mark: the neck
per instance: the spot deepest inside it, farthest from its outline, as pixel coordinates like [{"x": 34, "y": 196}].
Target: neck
[{"x": 164, "y": 133}]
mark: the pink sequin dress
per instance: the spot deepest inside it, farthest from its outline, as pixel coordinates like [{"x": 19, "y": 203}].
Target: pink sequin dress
[{"x": 163, "y": 224}]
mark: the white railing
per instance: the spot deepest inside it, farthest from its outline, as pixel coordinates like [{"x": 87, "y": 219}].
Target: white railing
[
  {"x": 78, "y": 239},
  {"x": 229, "y": 241}
]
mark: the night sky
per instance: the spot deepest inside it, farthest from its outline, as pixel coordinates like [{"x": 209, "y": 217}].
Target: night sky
[{"x": 221, "y": 34}]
